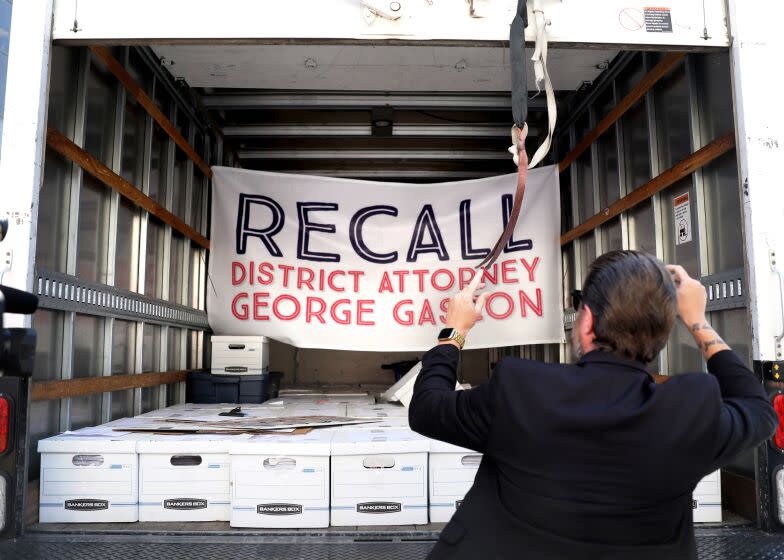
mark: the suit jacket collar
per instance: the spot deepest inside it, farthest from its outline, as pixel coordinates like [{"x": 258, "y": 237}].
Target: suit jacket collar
[{"x": 608, "y": 358}]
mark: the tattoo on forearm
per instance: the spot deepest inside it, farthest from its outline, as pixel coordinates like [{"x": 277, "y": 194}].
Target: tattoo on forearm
[{"x": 706, "y": 344}]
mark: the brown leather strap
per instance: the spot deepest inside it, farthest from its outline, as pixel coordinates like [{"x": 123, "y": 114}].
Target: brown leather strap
[{"x": 506, "y": 235}]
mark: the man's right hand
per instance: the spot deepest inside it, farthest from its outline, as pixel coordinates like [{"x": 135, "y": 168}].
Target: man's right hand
[{"x": 692, "y": 299}]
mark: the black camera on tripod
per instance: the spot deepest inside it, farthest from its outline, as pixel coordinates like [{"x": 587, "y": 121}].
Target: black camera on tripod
[{"x": 17, "y": 351}]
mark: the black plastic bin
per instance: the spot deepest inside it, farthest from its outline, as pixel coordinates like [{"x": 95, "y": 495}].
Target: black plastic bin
[{"x": 202, "y": 387}]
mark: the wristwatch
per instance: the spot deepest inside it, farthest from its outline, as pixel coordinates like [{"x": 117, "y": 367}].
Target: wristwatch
[{"x": 451, "y": 334}]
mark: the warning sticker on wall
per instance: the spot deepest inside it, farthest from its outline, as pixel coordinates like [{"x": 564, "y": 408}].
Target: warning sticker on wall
[
  {"x": 658, "y": 20},
  {"x": 682, "y": 211}
]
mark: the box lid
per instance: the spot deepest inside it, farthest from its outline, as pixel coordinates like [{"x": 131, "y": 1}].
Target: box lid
[
  {"x": 368, "y": 442},
  {"x": 377, "y": 411},
  {"x": 100, "y": 439},
  {"x": 238, "y": 339},
  {"x": 186, "y": 443},
  {"x": 316, "y": 443},
  {"x": 437, "y": 446}
]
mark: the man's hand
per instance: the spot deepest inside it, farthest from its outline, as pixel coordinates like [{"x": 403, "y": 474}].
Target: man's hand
[
  {"x": 465, "y": 309},
  {"x": 692, "y": 299}
]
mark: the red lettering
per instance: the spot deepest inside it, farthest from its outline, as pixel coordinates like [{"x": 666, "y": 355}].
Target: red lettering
[
  {"x": 305, "y": 277},
  {"x": 361, "y": 310},
  {"x": 310, "y": 312},
  {"x": 466, "y": 275},
  {"x": 386, "y": 284},
  {"x": 530, "y": 267},
  {"x": 331, "y": 281},
  {"x": 237, "y": 266},
  {"x": 356, "y": 275},
  {"x": 444, "y": 305},
  {"x": 242, "y": 314},
  {"x": 421, "y": 275},
  {"x": 258, "y": 303},
  {"x": 277, "y": 303},
  {"x": 265, "y": 273},
  {"x": 408, "y": 314},
  {"x": 251, "y": 270},
  {"x": 491, "y": 277},
  {"x": 507, "y": 268},
  {"x": 333, "y": 310},
  {"x": 426, "y": 316},
  {"x": 526, "y": 301},
  {"x": 489, "y": 305},
  {"x": 286, "y": 269},
  {"x": 449, "y": 275},
  {"x": 401, "y": 283}
]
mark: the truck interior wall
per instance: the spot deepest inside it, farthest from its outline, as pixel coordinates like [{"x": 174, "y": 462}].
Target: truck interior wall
[
  {"x": 89, "y": 232},
  {"x": 303, "y": 366}
]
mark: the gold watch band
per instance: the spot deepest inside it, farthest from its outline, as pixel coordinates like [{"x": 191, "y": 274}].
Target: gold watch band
[{"x": 456, "y": 336}]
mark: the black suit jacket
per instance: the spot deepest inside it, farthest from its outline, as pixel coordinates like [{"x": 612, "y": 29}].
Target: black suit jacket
[{"x": 591, "y": 460}]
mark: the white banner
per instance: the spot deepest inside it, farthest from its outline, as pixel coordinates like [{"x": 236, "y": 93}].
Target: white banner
[{"x": 357, "y": 265}]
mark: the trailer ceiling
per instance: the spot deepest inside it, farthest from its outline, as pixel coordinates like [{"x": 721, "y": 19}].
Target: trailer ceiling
[
  {"x": 310, "y": 108},
  {"x": 369, "y": 67}
]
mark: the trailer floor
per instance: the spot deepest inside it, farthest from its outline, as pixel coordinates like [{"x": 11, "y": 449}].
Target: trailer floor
[{"x": 218, "y": 541}]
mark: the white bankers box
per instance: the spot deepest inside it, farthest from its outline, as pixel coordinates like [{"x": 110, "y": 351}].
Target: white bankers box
[
  {"x": 452, "y": 473},
  {"x": 184, "y": 477},
  {"x": 240, "y": 355},
  {"x": 89, "y": 476},
  {"x": 377, "y": 411},
  {"x": 281, "y": 481},
  {"x": 379, "y": 477},
  {"x": 706, "y": 499}
]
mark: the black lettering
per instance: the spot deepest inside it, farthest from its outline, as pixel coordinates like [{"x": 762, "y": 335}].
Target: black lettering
[{"x": 244, "y": 231}]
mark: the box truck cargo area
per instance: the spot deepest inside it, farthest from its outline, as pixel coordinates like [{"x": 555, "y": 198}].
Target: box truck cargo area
[
  {"x": 645, "y": 150},
  {"x": 419, "y": 113}
]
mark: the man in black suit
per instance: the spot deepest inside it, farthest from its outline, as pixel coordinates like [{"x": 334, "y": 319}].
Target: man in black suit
[{"x": 592, "y": 460}]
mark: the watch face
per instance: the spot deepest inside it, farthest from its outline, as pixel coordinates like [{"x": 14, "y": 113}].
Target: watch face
[{"x": 445, "y": 333}]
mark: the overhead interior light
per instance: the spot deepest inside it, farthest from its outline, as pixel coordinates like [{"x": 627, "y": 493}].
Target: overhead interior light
[{"x": 382, "y": 121}]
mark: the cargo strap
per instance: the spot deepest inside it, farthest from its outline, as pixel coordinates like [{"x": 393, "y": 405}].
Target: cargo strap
[
  {"x": 543, "y": 78},
  {"x": 520, "y": 110}
]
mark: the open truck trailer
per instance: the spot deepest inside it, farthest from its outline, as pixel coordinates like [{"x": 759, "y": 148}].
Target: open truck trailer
[{"x": 668, "y": 140}]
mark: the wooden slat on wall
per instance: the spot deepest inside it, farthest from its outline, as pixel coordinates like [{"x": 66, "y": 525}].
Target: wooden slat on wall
[
  {"x": 65, "y": 147},
  {"x": 692, "y": 163},
  {"x": 53, "y": 390},
  {"x": 648, "y": 81},
  {"x": 132, "y": 86}
]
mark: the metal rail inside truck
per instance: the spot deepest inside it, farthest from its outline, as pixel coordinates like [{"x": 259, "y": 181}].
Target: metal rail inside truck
[{"x": 668, "y": 138}]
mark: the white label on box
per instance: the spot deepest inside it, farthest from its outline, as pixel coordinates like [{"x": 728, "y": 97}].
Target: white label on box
[{"x": 379, "y": 507}]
